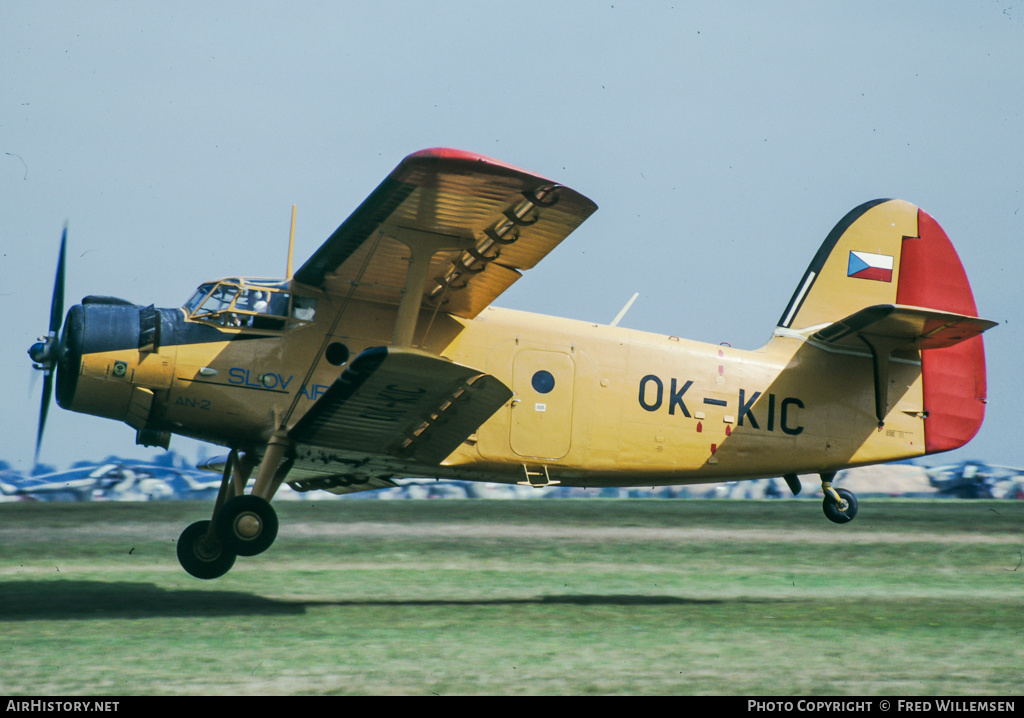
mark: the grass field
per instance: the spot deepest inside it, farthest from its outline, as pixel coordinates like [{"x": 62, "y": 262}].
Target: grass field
[{"x": 521, "y": 597}]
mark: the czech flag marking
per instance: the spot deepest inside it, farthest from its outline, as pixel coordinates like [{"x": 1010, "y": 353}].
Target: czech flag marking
[{"x": 864, "y": 265}]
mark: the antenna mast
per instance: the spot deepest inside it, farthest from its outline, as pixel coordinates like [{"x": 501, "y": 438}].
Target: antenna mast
[{"x": 291, "y": 244}]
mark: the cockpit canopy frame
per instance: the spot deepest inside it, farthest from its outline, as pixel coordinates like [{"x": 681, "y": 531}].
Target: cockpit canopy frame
[{"x": 247, "y": 303}]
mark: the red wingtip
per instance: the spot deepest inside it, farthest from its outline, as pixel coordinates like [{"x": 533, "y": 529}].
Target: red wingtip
[{"x": 449, "y": 153}]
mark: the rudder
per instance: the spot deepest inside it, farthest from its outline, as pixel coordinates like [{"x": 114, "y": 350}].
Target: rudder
[{"x": 954, "y": 377}]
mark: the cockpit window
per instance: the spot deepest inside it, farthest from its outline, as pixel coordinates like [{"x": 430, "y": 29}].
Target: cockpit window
[
  {"x": 246, "y": 303},
  {"x": 219, "y": 300},
  {"x": 197, "y": 298}
]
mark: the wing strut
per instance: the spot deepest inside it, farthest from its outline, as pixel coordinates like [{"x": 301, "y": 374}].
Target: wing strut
[{"x": 423, "y": 245}]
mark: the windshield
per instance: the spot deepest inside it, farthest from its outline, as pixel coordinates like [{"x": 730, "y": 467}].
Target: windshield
[{"x": 197, "y": 298}]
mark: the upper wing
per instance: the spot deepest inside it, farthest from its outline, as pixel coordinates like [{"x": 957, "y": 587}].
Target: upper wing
[{"x": 488, "y": 220}]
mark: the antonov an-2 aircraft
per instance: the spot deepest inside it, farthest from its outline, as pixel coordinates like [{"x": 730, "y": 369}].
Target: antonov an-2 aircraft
[{"x": 382, "y": 357}]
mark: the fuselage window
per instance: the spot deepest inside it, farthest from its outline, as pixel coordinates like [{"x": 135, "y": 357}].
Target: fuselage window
[{"x": 303, "y": 309}]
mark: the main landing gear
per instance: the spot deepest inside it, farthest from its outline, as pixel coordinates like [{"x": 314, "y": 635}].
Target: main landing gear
[
  {"x": 242, "y": 524},
  {"x": 839, "y": 505}
]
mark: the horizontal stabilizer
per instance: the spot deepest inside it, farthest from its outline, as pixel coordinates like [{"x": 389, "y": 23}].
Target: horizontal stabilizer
[
  {"x": 404, "y": 403},
  {"x": 909, "y": 327}
]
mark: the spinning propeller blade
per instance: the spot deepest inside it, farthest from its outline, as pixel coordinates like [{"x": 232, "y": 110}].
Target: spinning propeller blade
[
  {"x": 57, "y": 304},
  {"x": 46, "y": 353},
  {"x": 44, "y": 408}
]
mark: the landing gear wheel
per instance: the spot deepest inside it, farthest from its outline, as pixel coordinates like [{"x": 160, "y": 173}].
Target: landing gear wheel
[
  {"x": 840, "y": 513},
  {"x": 247, "y": 525},
  {"x": 203, "y": 557}
]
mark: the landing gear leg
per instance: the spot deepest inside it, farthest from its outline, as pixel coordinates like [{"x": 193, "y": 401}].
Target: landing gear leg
[
  {"x": 247, "y": 524},
  {"x": 273, "y": 470},
  {"x": 242, "y": 525},
  {"x": 839, "y": 505}
]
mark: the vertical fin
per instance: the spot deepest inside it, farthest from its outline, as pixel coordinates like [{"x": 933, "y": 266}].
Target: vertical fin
[{"x": 856, "y": 266}]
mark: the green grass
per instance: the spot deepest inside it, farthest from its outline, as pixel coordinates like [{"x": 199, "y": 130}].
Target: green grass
[{"x": 520, "y": 597}]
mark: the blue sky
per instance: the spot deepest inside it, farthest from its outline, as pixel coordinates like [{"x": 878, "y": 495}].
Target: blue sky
[{"x": 721, "y": 141}]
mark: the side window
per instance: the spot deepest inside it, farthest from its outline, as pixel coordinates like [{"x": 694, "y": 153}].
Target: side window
[
  {"x": 303, "y": 309},
  {"x": 278, "y": 304},
  {"x": 265, "y": 309},
  {"x": 253, "y": 300}
]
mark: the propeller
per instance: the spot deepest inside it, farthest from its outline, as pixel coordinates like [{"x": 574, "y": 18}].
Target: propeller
[{"x": 47, "y": 352}]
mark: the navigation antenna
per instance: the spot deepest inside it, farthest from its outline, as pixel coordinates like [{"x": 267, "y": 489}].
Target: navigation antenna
[
  {"x": 622, "y": 312},
  {"x": 291, "y": 245}
]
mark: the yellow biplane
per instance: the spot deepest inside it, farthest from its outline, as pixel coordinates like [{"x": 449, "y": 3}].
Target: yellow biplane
[{"x": 382, "y": 357}]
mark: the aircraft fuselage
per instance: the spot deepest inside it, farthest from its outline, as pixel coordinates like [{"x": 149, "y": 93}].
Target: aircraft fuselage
[{"x": 595, "y": 404}]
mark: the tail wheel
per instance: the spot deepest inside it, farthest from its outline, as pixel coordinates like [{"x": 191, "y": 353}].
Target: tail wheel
[
  {"x": 247, "y": 525},
  {"x": 841, "y": 511},
  {"x": 202, "y": 556}
]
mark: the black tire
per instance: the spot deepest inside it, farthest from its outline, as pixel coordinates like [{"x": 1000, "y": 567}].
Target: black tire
[
  {"x": 832, "y": 510},
  {"x": 203, "y": 558},
  {"x": 247, "y": 525}
]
